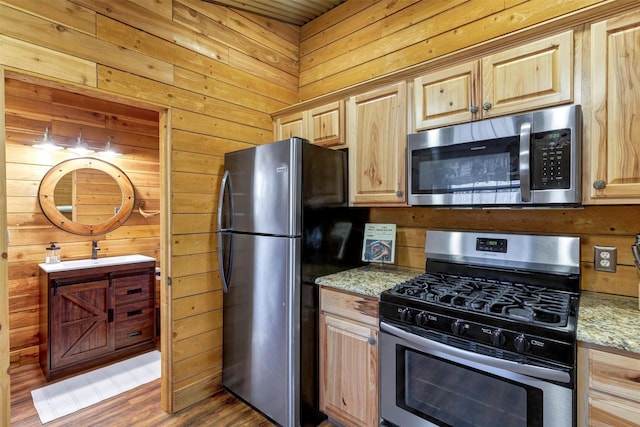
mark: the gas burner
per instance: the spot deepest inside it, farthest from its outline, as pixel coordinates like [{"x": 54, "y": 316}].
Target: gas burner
[{"x": 517, "y": 301}]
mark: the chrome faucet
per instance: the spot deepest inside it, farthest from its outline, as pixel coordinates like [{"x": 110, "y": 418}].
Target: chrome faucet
[{"x": 94, "y": 249}]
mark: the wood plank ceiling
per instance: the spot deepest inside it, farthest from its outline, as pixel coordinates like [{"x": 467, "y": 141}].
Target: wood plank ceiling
[{"x": 297, "y": 12}]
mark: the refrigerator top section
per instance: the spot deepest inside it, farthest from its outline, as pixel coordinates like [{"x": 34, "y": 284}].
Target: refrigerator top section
[{"x": 267, "y": 186}]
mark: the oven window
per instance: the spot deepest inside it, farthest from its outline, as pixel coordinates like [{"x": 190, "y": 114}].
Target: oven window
[
  {"x": 488, "y": 165},
  {"x": 449, "y": 394}
]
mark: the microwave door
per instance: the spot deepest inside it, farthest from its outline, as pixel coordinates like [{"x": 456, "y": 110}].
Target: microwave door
[{"x": 524, "y": 157}]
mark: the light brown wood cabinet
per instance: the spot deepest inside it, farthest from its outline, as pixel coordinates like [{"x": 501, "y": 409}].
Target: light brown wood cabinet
[
  {"x": 349, "y": 358},
  {"x": 610, "y": 392},
  {"x": 95, "y": 316},
  {"x": 535, "y": 75},
  {"x": 612, "y": 127},
  {"x": 323, "y": 125},
  {"x": 377, "y": 140},
  {"x": 291, "y": 125}
]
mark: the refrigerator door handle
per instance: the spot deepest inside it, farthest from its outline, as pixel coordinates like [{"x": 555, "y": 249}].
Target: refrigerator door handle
[
  {"x": 225, "y": 186},
  {"x": 225, "y": 271}
]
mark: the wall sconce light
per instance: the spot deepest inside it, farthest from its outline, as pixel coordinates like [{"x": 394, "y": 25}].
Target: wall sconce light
[
  {"x": 46, "y": 143},
  {"x": 109, "y": 152},
  {"x": 80, "y": 147}
]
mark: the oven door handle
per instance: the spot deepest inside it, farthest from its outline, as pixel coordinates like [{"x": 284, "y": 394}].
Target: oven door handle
[{"x": 427, "y": 344}]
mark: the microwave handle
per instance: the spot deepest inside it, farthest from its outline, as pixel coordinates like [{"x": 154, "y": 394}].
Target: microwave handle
[{"x": 524, "y": 169}]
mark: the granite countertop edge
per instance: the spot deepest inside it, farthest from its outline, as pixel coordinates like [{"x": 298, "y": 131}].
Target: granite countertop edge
[
  {"x": 370, "y": 280},
  {"x": 610, "y": 321},
  {"x": 606, "y": 320}
]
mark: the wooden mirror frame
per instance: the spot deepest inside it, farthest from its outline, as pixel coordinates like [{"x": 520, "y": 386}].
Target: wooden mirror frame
[{"x": 48, "y": 206}]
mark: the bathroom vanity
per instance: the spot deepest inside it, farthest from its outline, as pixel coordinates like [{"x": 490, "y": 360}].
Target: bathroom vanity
[{"x": 94, "y": 312}]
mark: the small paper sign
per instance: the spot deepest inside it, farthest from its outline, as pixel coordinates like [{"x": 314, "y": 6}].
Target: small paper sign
[{"x": 379, "y": 243}]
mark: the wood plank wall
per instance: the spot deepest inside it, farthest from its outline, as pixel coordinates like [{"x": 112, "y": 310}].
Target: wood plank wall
[
  {"x": 219, "y": 73},
  {"x": 29, "y": 109},
  {"x": 358, "y": 42}
]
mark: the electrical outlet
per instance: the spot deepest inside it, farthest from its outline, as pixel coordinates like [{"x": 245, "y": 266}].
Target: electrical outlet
[{"x": 605, "y": 258}]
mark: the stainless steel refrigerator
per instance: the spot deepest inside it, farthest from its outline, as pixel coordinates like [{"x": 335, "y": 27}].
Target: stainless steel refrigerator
[{"x": 282, "y": 221}]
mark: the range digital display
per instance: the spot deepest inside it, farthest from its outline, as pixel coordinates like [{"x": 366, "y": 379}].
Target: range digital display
[{"x": 486, "y": 244}]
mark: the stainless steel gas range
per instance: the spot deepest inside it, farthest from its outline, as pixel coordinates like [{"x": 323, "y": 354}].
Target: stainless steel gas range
[{"x": 486, "y": 337}]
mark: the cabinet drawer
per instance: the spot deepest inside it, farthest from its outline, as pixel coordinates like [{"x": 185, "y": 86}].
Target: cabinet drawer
[
  {"x": 614, "y": 374},
  {"x": 350, "y": 306},
  {"x": 134, "y": 332},
  {"x": 135, "y": 288},
  {"x": 134, "y": 312}
]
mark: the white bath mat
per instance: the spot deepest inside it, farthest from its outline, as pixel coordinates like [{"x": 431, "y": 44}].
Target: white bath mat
[{"x": 65, "y": 397}]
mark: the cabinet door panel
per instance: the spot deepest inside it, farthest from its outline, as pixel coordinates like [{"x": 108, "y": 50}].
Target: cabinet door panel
[
  {"x": 290, "y": 126},
  {"x": 531, "y": 76},
  {"x": 348, "y": 371},
  {"x": 377, "y": 139},
  {"x": 605, "y": 411},
  {"x": 614, "y": 131},
  {"x": 326, "y": 125},
  {"x": 80, "y": 325},
  {"x": 445, "y": 97}
]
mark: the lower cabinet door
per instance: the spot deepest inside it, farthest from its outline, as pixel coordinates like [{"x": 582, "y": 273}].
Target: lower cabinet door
[
  {"x": 348, "y": 371},
  {"x": 81, "y": 322}
]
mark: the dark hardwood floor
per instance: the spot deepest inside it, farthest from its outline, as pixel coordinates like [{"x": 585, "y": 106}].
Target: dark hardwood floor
[{"x": 138, "y": 407}]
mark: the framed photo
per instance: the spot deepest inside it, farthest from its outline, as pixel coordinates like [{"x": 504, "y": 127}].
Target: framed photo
[{"x": 379, "y": 243}]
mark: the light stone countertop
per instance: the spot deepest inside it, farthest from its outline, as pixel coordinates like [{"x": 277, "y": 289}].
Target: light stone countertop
[
  {"x": 607, "y": 320},
  {"x": 370, "y": 280},
  {"x": 610, "y": 321}
]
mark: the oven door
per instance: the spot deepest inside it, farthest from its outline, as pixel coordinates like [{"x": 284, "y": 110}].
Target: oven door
[{"x": 426, "y": 383}]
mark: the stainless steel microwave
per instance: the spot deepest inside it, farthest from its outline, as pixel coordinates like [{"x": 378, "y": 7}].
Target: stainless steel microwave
[{"x": 531, "y": 159}]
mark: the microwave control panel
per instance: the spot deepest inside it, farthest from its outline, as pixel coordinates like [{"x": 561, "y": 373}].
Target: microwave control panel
[{"x": 551, "y": 160}]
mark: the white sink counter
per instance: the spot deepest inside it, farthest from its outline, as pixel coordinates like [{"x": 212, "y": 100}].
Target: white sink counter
[{"x": 92, "y": 263}]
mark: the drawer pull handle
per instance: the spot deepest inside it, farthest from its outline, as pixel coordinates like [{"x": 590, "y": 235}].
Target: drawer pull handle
[
  {"x": 134, "y": 334},
  {"x": 134, "y": 291},
  {"x": 134, "y": 313}
]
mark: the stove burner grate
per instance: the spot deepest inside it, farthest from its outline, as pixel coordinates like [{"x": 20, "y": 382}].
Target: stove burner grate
[{"x": 517, "y": 301}]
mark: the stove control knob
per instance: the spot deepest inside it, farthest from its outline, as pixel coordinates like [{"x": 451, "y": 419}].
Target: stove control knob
[
  {"x": 521, "y": 344},
  {"x": 421, "y": 318},
  {"x": 458, "y": 327},
  {"x": 405, "y": 315},
  {"x": 497, "y": 338}
]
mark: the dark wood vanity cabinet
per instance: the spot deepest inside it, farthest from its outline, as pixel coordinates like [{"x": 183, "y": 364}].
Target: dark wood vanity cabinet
[{"x": 94, "y": 316}]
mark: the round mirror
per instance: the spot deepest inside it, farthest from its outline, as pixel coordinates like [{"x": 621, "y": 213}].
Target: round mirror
[{"x": 86, "y": 196}]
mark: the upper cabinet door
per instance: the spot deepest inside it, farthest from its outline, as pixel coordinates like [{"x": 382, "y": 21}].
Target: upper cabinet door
[
  {"x": 290, "y": 125},
  {"x": 326, "y": 125},
  {"x": 447, "y": 96},
  {"x": 377, "y": 139},
  {"x": 323, "y": 125},
  {"x": 528, "y": 77},
  {"x": 613, "y": 126}
]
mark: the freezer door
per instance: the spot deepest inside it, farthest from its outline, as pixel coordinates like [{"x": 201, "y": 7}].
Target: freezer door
[
  {"x": 265, "y": 183},
  {"x": 261, "y": 347}
]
